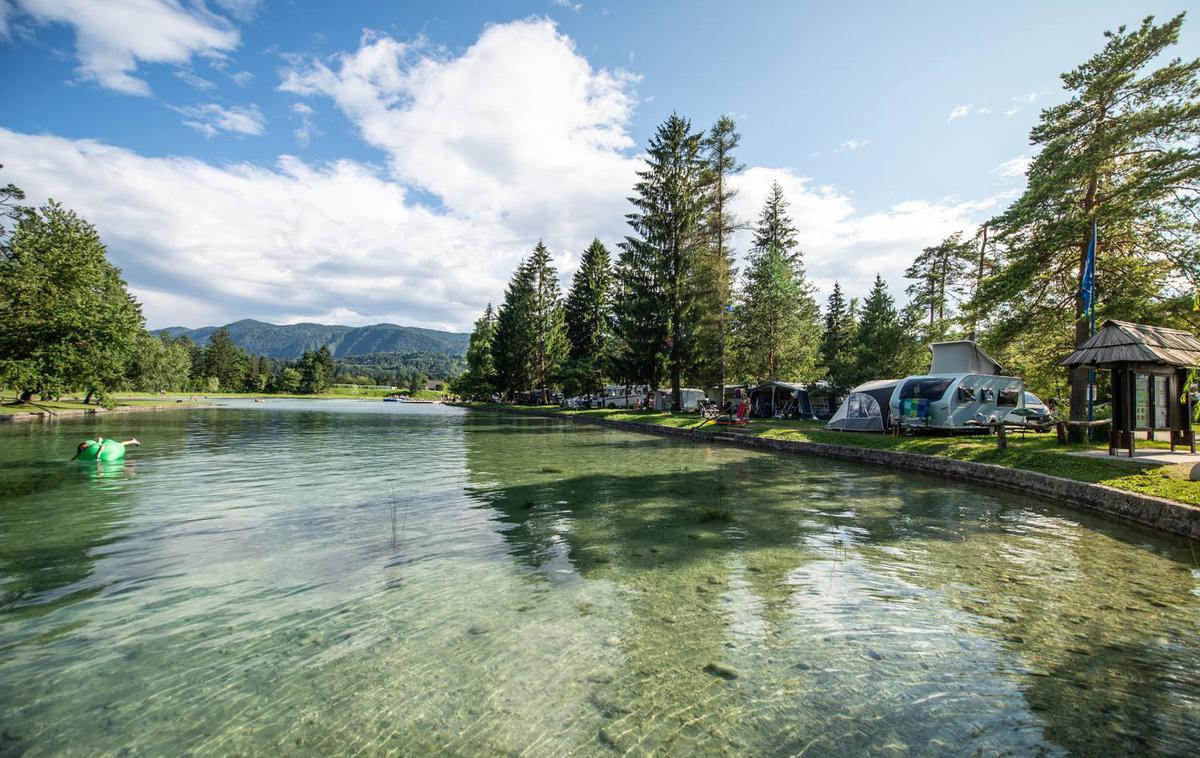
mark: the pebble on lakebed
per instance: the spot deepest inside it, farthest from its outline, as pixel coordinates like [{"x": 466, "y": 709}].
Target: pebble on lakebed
[{"x": 722, "y": 670}]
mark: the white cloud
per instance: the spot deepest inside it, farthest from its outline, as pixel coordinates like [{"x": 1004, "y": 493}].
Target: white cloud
[
  {"x": 984, "y": 111},
  {"x": 515, "y": 139},
  {"x": 520, "y": 125},
  {"x": 112, "y": 37},
  {"x": 202, "y": 244},
  {"x": 190, "y": 78},
  {"x": 568, "y": 5},
  {"x": 305, "y": 131},
  {"x": 212, "y": 119},
  {"x": 1014, "y": 110},
  {"x": 5, "y": 11},
  {"x": 841, "y": 244},
  {"x": 242, "y": 78},
  {"x": 1014, "y": 166},
  {"x": 854, "y": 143},
  {"x": 960, "y": 111}
]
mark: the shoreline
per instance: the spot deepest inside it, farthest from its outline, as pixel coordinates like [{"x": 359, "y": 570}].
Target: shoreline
[
  {"x": 46, "y": 416},
  {"x": 1146, "y": 510}
]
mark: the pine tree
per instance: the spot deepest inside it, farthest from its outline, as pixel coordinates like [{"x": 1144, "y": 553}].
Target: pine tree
[
  {"x": 513, "y": 343},
  {"x": 777, "y": 323},
  {"x": 942, "y": 273},
  {"x": 588, "y": 313},
  {"x": 224, "y": 361},
  {"x": 881, "y": 348},
  {"x": 837, "y": 342},
  {"x": 715, "y": 271},
  {"x": 548, "y": 327},
  {"x": 1123, "y": 152},
  {"x": 656, "y": 311},
  {"x": 480, "y": 377}
]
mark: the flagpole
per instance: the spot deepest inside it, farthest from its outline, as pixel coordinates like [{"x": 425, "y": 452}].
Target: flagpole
[{"x": 1092, "y": 330}]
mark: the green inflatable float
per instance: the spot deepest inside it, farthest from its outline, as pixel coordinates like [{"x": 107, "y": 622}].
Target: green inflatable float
[{"x": 105, "y": 451}]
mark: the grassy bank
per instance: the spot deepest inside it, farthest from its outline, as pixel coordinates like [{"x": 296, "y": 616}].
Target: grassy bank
[{"x": 1033, "y": 452}]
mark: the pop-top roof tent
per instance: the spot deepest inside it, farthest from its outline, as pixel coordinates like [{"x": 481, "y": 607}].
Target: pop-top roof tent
[
  {"x": 962, "y": 357},
  {"x": 1149, "y": 367},
  {"x": 867, "y": 408}
]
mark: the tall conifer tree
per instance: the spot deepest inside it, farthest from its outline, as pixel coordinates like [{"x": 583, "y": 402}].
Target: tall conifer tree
[
  {"x": 588, "y": 312},
  {"x": 777, "y": 322},
  {"x": 512, "y": 346},
  {"x": 837, "y": 342},
  {"x": 715, "y": 280},
  {"x": 656, "y": 310}
]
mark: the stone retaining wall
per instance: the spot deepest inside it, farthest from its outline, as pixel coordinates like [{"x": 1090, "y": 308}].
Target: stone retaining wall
[{"x": 1159, "y": 513}]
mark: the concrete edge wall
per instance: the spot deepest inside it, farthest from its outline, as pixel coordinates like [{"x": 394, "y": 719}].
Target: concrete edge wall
[
  {"x": 65, "y": 413},
  {"x": 1155, "y": 512}
]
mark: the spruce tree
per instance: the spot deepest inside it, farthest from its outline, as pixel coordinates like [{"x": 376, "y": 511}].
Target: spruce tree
[
  {"x": 1123, "y": 152},
  {"x": 715, "y": 272},
  {"x": 588, "y": 313},
  {"x": 656, "y": 312},
  {"x": 880, "y": 347},
  {"x": 513, "y": 342},
  {"x": 777, "y": 323},
  {"x": 549, "y": 332},
  {"x": 480, "y": 377},
  {"x": 837, "y": 342}
]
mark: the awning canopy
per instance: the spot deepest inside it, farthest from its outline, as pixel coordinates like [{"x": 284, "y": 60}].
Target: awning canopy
[{"x": 1126, "y": 342}]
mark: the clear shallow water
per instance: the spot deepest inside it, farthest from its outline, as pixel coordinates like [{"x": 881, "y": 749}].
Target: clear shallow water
[{"x": 342, "y": 577}]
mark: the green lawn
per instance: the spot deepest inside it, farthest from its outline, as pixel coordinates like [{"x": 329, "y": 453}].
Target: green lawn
[{"x": 1033, "y": 452}]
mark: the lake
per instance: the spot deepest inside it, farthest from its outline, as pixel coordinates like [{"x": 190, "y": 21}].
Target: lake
[{"x": 342, "y": 577}]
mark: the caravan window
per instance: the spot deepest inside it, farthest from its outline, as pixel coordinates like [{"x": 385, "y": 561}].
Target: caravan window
[
  {"x": 1009, "y": 398},
  {"x": 966, "y": 394},
  {"x": 928, "y": 388}
]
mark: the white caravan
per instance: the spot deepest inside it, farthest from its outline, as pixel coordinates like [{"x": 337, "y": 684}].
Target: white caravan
[{"x": 965, "y": 389}]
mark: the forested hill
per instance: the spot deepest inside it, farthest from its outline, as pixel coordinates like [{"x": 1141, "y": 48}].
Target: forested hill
[{"x": 289, "y": 341}]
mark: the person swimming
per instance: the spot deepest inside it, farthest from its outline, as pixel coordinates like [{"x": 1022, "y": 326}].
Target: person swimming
[{"x": 103, "y": 450}]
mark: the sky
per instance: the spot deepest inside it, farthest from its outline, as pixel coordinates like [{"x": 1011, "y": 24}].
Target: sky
[{"x": 375, "y": 161}]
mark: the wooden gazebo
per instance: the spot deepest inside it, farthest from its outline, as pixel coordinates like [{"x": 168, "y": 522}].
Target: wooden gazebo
[{"x": 1149, "y": 366}]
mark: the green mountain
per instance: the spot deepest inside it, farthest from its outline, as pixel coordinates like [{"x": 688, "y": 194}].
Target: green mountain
[{"x": 290, "y": 340}]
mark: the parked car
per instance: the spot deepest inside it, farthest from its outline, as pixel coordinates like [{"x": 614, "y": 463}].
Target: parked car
[{"x": 1034, "y": 412}]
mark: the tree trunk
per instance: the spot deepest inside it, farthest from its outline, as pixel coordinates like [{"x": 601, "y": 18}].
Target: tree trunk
[
  {"x": 90, "y": 395},
  {"x": 26, "y": 396}
]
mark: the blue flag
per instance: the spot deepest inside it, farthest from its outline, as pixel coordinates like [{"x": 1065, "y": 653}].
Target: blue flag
[{"x": 1087, "y": 284}]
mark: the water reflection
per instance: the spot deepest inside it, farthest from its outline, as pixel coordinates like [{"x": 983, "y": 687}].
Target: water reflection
[{"x": 338, "y": 578}]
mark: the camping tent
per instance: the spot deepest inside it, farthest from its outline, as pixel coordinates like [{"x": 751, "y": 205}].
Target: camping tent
[
  {"x": 867, "y": 408},
  {"x": 773, "y": 397},
  {"x": 961, "y": 357}
]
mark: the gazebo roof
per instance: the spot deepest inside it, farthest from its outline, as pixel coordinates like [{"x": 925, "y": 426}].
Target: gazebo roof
[{"x": 1126, "y": 342}]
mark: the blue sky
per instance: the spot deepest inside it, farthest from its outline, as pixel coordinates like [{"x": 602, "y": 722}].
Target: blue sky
[{"x": 383, "y": 161}]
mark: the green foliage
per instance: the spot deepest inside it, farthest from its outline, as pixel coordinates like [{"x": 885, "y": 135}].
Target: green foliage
[
  {"x": 883, "y": 345},
  {"x": 316, "y": 371},
  {"x": 159, "y": 364},
  {"x": 479, "y": 380},
  {"x": 288, "y": 380},
  {"x": 588, "y": 314},
  {"x": 1123, "y": 151},
  {"x": 776, "y": 324},
  {"x": 942, "y": 274},
  {"x": 224, "y": 361},
  {"x": 658, "y": 270},
  {"x": 68, "y": 320},
  {"x": 838, "y": 341},
  {"x": 530, "y": 342},
  {"x": 715, "y": 272}
]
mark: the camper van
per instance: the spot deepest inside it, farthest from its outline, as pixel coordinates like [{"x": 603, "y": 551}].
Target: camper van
[
  {"x": 689, "y": 399},
  {"x": 964, "y": 390},
  {"x": 620, "y": 396}
]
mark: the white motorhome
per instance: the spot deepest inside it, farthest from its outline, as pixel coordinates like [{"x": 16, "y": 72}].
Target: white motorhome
[
  {"x": 965, "y": 389},
  {"x": 621, "y": 396}
]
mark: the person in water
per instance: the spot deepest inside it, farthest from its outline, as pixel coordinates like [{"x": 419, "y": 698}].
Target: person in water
[{"x": 101, "y": 449}]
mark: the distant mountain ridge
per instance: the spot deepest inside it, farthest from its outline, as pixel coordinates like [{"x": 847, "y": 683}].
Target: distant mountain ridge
[{"x": 290, "y": 340}]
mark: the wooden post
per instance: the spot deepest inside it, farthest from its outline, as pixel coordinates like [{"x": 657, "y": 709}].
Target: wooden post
[
  {"x": 1061, "y": 429},
  {"x": 1001, "y": 438}
]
